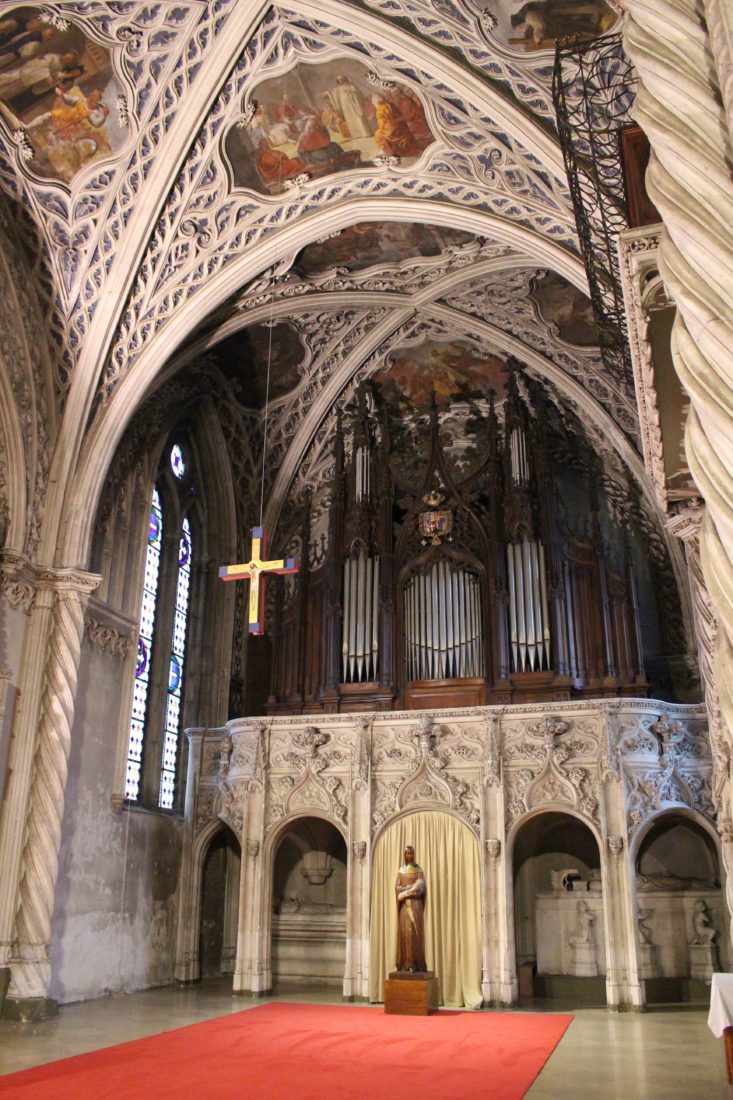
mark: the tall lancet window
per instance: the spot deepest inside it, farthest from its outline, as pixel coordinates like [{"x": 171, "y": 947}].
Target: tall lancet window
[
  {"x": 156, "y": 721},
  {"x": 360, "y": 622},
  {"x": 144, "y": 649},
  {"x": 175, "y": 674}
]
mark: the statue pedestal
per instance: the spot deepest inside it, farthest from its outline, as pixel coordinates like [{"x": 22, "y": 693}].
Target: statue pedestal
[
  {"x": 583, "y": 962},
  {"x": 648, "y": 960},
  {"x": 408, "y": 994},
  {"x": 703, "y": 960}
]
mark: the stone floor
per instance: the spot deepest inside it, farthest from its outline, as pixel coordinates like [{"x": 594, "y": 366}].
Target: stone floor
[{"x": 666, "y": 1055}]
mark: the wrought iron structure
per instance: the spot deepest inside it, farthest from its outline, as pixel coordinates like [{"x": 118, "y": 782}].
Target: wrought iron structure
[{"x": 594, "y": 87}]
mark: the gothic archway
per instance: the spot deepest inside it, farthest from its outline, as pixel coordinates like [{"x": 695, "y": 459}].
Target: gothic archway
[
  {"x": 309, "y": 905},
  {"x": 219, "y": 910},
  {"x": 448, "y": 852},
  {"x": 681, "y": 916},
  {"x": 559, "y": 917}
]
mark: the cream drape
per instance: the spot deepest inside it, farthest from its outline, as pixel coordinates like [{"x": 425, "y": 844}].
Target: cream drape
[{"x": 447, "y": 851}]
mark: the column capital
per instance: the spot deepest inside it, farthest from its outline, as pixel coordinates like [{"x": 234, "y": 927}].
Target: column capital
[{"x": 21, "y": 580}]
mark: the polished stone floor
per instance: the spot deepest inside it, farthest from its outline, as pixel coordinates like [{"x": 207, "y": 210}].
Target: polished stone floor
[{"x": 668, "y": 1055}]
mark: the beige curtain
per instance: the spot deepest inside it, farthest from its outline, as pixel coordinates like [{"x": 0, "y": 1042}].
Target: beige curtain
[{"x": 447, "y": 851}]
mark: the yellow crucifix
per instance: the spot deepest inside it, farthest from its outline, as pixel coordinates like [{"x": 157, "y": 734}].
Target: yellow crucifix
[{"x": 256, "y": 571}]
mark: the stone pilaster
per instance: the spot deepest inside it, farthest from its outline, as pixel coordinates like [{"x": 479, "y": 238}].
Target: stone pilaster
[{"x": 35, "y": 799}]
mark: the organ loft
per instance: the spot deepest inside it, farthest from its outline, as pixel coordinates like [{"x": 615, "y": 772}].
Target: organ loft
[{"x": 447, "y": 572}]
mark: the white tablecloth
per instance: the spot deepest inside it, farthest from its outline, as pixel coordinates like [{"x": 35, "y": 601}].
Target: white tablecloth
[{"x": 721, "y": 1004}]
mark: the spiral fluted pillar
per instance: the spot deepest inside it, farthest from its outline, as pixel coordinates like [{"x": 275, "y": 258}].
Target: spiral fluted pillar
[
  {"x": 681, "y": 51},
  {"x": 67, "y": 594}
]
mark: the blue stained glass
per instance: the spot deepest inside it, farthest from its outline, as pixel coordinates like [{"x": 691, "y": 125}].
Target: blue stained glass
[
  {"x": 184, "y": 552},
  {"x": 175, "y": 680},
  {"x": 174, "y": 675},
  {"x": 142, "y": 657},
  {"x": 178, "y": 464},
  {"x": 144, "y": 649}
]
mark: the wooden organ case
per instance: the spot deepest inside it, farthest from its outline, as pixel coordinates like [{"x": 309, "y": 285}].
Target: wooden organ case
[{"x": 448, "y": 584}]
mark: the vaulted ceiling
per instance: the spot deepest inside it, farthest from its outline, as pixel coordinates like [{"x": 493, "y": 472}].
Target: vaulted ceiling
[{"x": 323, "y": 186}]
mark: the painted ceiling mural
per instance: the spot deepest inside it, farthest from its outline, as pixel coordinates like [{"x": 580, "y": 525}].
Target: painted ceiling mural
[
  {"x": 532, "y": 25},
  {"x": 565, "y": 306},
  {"x": 244, "y": 357},
  {"x": 359, "y": 246},
  {"x": 321, "y": 119},
  {"x": 57, "y": 85},
  {"x": 446, "y": 371}
]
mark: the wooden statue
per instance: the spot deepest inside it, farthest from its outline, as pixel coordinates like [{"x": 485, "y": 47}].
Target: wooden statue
[{"x": 410, "y": 889}]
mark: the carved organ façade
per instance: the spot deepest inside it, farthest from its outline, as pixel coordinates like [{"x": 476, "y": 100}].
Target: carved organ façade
[{"x": 449, "y": 577}]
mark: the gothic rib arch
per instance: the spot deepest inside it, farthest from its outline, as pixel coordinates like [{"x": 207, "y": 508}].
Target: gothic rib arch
[{"x": 103, "y": 436}]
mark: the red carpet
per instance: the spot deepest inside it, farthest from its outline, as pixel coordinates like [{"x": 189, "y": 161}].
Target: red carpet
[{"x": 310, "y": 1052}]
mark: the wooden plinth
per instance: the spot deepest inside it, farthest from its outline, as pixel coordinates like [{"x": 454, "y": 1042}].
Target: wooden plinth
[
  {"x": 410, "y": 994},
  {"x": 728, "y": 1040}
]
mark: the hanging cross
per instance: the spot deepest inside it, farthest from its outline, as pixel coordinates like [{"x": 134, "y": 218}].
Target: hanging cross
[{"x": 256, "y": 571}]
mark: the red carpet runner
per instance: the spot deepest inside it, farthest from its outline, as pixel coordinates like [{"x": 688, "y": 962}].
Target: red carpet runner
[{"x": 310, "y": 1052}]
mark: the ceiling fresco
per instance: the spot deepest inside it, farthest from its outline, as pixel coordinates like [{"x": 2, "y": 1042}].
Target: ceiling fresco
[
  {"x": 562, "y": 304},
  {"x": 532, "y": 25},
  {"x": 58, "y": 86},
  {"x": 367, "y": 243},
  {"x": 450, "y": 371},
  {"x": 324, "y": 119},
  {"x": 244, "y": 356}
]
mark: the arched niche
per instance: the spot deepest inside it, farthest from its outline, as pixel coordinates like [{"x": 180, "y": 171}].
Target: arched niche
[
  {"x": 309, "y": 905},
  {"x": 448, "y": 852},
  {"x": 559, "y": 919},
  {"x": 680, "y": 904},
  {"x": 219, "y": 907}
]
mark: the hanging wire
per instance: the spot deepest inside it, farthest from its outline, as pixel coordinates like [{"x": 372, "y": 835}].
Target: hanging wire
[{"x": 267, "y": 381}]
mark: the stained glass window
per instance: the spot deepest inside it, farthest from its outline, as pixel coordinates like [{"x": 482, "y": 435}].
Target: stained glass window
[
  {"x": 178, "y": 463},
  {"x": 175, "y": 671},
  {"x": 144, "y": 649}
]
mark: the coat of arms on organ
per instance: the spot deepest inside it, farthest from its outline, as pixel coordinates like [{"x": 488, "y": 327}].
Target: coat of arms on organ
[{"x": 453, "y": 571}]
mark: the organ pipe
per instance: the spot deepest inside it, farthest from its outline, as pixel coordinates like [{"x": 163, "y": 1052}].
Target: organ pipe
[
  {"x": 360, "y": 628},
  {"x": 529, "y": 621},
  {"x": 443, "y": 624}
]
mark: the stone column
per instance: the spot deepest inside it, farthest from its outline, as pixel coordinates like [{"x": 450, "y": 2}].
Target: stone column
[
  {"x": 686, "y": 525},
  {"x": 356, "y": 977},
  {"x": 35, "y": 798},
  {"x": 682, "y": 53},
  {"x": 495, "y": 982},
  {"x": 253, "y": 967}
]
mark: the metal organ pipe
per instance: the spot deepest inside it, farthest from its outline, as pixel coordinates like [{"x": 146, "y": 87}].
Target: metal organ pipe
[
  {"x": 442, "y": 613},
  {"x": 360, "y": 628},
  {"x": 518, "y": 451},
  {"x": 528, "y": 611}
]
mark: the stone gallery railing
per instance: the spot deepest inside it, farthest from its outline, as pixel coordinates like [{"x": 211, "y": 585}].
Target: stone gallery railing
[{"x": 613, "y": 765}]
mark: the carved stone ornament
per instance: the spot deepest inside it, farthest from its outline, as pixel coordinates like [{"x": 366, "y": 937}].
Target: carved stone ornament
[
  {"x": 359, "y": 849},
  {"x": 253, "y": 848},
  {"x": 493, "y": 847},
  {"x": 492, "y": 763},
  {"x": 615, "y": 845},
  {"x": 108, "y": 638}
]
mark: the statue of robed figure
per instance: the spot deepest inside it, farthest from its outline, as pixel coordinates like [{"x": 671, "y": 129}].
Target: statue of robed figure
[{"x": 410, "y": 890}]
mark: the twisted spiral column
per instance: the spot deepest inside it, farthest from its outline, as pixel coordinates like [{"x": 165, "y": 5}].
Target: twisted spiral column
[
  {"x": 681, "y": 51},
  {"x": 29, "y": 963}
]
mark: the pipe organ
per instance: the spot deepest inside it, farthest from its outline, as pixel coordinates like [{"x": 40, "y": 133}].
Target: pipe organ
[
  {"x": 447, "y": 576},
  {"x": 443, "y": 628}
]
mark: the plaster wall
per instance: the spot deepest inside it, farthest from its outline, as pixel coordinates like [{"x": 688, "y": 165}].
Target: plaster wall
[{"x": 114, "y": 920}]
